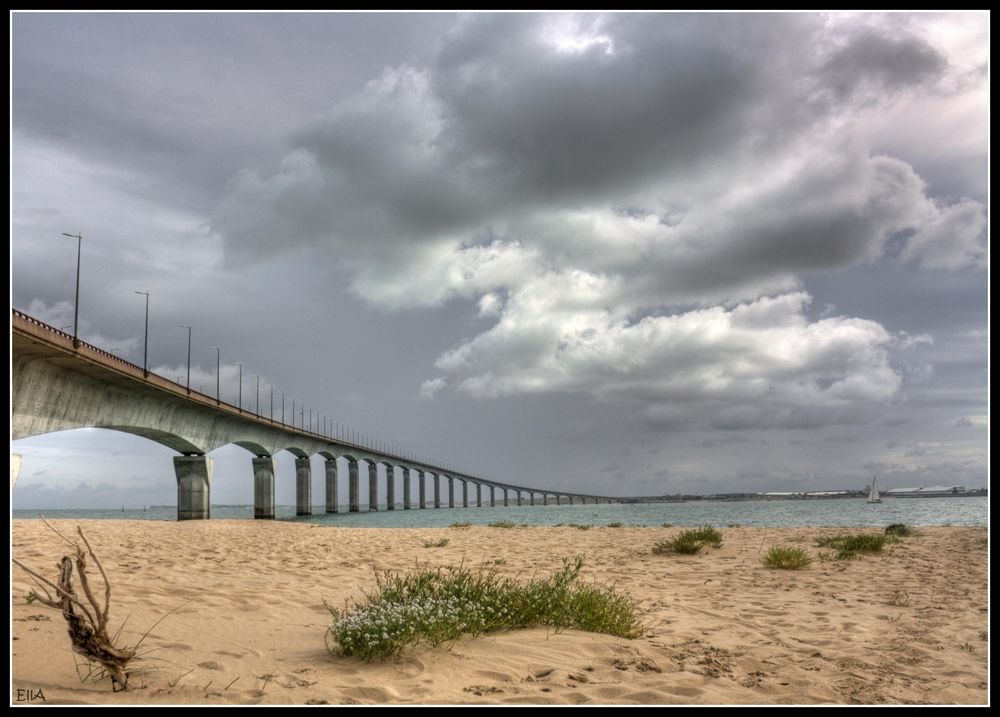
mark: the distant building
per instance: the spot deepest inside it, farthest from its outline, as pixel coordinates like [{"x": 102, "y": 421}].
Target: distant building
[{"x": 927, "y": 490}]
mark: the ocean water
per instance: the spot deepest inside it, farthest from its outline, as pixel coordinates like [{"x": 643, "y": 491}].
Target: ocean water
[{"x": 852, "y": 512}]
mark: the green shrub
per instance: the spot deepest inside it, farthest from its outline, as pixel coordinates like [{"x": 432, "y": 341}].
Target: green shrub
[
  {"x": 502, "y": 524},
  {"x": 433, "y": 606},
  {"x": 899, "y": 530},
  {"x": 460, "y": 525},
  {"x": 614, "y": 525},
  {"x": 848, "y": 546},
  {"x": 786, "y": 558},
  {"x": 690, "y": 541}
]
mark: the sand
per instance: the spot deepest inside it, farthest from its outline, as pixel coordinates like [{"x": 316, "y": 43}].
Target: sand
[{"x": 720, "y": 628}]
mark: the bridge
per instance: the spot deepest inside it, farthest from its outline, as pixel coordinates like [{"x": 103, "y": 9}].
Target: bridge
[{"x": 59, "y": 383}]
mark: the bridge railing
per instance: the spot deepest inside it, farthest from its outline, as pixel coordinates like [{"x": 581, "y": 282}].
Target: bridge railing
[{"x": 137, "y": 372}]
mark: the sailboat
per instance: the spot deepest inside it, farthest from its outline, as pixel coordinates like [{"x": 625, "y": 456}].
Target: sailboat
[{"x": 873, "y": 493}]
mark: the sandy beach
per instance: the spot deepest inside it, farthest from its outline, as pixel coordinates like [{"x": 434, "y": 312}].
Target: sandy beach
[{"x": 249, "y": 619}]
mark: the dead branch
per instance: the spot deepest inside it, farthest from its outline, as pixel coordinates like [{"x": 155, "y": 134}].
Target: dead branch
[{"x": 87, "y": 630}]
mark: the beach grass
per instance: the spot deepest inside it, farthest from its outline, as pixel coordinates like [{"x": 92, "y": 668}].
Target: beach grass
[
  {"x": 502, "y": 524},
  {"x": 899, "y": 530},
  {"x": 460, "y": 525},
  {"x": 690, "y": 541},
  {"x": 848, "y": 546},
  {"x": 616, "y": 524},
  {"x": 786, "y": 558},
  {"x": 436, "y": 543},
  {"x": 436, "y": 605}
]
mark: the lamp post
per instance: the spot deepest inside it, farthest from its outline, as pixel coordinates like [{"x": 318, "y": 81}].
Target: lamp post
[
  {"x": 270, "y": 405},
  {"x": 240, "y": 399},
  {"x": 218, "y": 393},
  {"x": 145, "y": 343},
  {"x": 76, "y": 301},
  {"x": 184, "y": 326},
  {"x": 258, "y": 395}
]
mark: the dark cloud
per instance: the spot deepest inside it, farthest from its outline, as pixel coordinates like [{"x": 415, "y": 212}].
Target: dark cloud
[{"x": 873, "y": 63}]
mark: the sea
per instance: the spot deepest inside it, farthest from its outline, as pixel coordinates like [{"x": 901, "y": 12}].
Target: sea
[{"x": 843, "y": 512}]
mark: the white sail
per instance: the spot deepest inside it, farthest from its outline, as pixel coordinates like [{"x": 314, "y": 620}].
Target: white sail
[{"x": 873, "y": 493}]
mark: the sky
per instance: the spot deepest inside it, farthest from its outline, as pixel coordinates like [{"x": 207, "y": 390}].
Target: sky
[{"x": 624, "y": 254}]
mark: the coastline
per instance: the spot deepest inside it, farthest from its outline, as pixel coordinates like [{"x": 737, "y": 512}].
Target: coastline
[{"x": 720, "y": 628}]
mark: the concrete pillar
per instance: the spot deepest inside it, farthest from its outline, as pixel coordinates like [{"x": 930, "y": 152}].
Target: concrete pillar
[
  {"x": 531, "y": 496},
  {"x": 390, "y": 487},
  {"x": 570, "y": 500},
  {"x": 353, "y": 492},
  {"x": 437, "y": 491},
  {"x": 479, "y": 495},
  {"x": 545, "y": 498},
  {"x": 303, "y": 487},
  {"x": 421, "y": 486},
  {"x": 331, "y": 485},
  {"x": 465, "y": 494},
  {"x": 558, "y": 500},
  {"x": 406, "y": 488},
  {"x": 372, "y": 486},
  {"x": 451, "y": 492},
  {"x": 493, "y": 496},
  {"x": 505, "y": 498},
  {"x": 519, "y": 498},
  {"x": 15, "y": 469},
  {"x": 263, "y": 487},
  {"x": 194, "y": 480}
]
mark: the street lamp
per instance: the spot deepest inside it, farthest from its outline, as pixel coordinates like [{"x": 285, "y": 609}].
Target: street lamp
[
  {"x": 240, "y": 399},
  {"x": 184, "y": 326},
  {"x": 145, "y": 345},
  {"x": 218, "y": 393},
  {"x": 76, "y": 302},
  {"x": 258, "y": 395}
]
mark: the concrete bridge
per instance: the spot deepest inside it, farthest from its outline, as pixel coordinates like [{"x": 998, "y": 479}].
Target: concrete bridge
[{"x": 59, "y": 384}]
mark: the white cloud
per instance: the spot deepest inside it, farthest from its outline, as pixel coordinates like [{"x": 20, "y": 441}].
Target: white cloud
[
  {"x": 763, "y": 353},
  {"x": 430, "y": 388}
]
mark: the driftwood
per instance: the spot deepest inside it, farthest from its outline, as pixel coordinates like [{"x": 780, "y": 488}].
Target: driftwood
[{"x": 87, "y": 621}]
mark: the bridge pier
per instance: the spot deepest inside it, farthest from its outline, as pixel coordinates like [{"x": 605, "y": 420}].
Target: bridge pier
[
  {"x": 437, "y": 491},
  {"x": 263, "y": 487},
  {"x": 493, "y": 496},
  {"x": 406, "y": 488},
  {"x": 519, "y": 498},
  {"x": 194, "y": 479},
  {"x": 465, "y": 494},
  {"x": 303, "y": 487},
  {"x": 421, "y": 485},
  {"x": 545, "y": 498},
  {"x": 372, "y": 486},
  {"x": 531, "y": 497},
  {"x": 15, "y": 469},
  {"x": 390, "y": 487},
  {"x": 479, "y": 495},
  {"x": 353, "y": 492},
  {"x": 331, "y": 485},
  {"x": 505, "y": 498},
  {"x": 451, "y": 492},
  {"x": 570, "y": 499}
]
